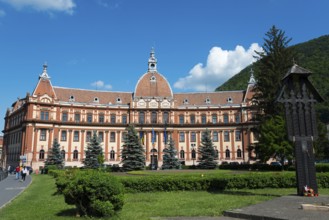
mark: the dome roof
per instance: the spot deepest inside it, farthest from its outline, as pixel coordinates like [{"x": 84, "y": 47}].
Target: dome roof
[{"x": 153, "y": 84}]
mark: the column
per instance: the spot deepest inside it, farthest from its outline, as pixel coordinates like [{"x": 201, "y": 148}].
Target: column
[
  {"x": 82, "y": 147},
  {"x": 36, "y": 130},
  {"x": 187, "y": 135},
  {"x": 233, "y": 144},
  {"x": 221, "y": 145},
  {"x": 118, "y": 145},
  {"x": 69, "y": 151},
  {"x": 106, "y": 139}
]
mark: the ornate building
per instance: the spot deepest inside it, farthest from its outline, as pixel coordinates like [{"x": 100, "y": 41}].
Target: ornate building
[{"x": 72, "y": 115}]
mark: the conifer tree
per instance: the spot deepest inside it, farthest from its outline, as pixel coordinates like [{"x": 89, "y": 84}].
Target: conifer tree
[
  {"x": 55, "y": 156},
  {"x": 133, "y": 153},
  {"x": 170, "y": 160},
  {"x": 207, "y": 153},
  {"x": 94, "y": 154}
]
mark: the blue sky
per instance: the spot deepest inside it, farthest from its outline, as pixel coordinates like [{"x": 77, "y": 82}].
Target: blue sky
[{"x": 105, "y": 44}]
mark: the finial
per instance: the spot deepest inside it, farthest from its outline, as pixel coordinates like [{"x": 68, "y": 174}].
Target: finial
[
  {"x": 252, "y": 78},
  {"x": 294, "y": 61},
  {"x": 44, "y": 74},
  {"x": 152, "y": 63}
]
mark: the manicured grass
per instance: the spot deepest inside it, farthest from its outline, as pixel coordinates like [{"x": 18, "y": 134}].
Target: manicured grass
[{"x": 39, "y": 202}]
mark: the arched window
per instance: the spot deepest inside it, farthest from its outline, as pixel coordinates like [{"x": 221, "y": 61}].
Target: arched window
[
  {"x": 182, "y": 154},
  {"x": 239, "y": 153},
  {"x": 41, "y": 155},
  {"x": 75, "y": 155},
  {"x": 112, "y": 155},
  {"x": 227, "y": 153},
  {"x": 63, "y": 154},
  {"x": 193, "y": 154}
]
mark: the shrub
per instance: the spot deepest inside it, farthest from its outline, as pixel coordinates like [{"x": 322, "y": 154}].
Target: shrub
[{"x": 94, "y": 193}]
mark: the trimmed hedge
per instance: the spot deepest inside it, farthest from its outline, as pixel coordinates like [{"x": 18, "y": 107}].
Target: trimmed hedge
[{"x": 321, "y": 167}]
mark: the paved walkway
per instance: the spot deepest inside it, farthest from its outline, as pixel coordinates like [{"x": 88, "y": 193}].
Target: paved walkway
[{"x": 10, "y": 188}]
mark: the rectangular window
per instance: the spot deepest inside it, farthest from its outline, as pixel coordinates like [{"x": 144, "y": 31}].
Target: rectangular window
[
  {"x": 44, "y": 115},
  {"x": 101, "y": 136},
  {"x": 77, "y": 117},
  {"x": 237, "y": 135},
  {"x": 64, "y": 117},
  {"x": 226, "y": 136},
  {"x": 193, "y": 137},
  {"x": 215, "y": 136},
  {"x": 141, "y": 118},
  {"x": 154, "y": 117},
  {"x": 89, "y": 117},
  {"x": 237, "y": 118},
  {"x": 101, "y": 118},
  {"x": 123, "y": 136},
  {"x": 225, "y": 118},
  {"x": 112, "y": 136},
  {"x": 76, "y": 136},
  {"x": 113, "y": 118},
  {"x": 88, "y": 136},
  {"x": 256, "y": 136},
  {"x": 214, "y": 119},
  {"x": 192, "y": 119},
  {"x": 43, "y": 135},
  {"x": 181, "y": 119},
  {"x": 63, "y": 135},
  {"x": 124, "y": 119},
  {"x": 203, "y": 119},
  {"x": 181, "y": 136},
  {"x": 166, "y": 117}
]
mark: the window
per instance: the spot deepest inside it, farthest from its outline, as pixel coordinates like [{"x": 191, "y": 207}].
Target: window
[
  {"x": 76, "y": 136},
  {"x": 229, "y": 100},
  {"x": 182, "y": 154},
  {"x": 141, "y": 118},
  {"x": 63, "y": 135},
  {"x": 154, "y": 116},
  {"x": 256, "y": 136},
  {"x": 181, "y": 119},
  {"x": 96, "y": 99},
  {"x": 89, "y": 117},
  {"x": 226, "y": 136},
  {"x": 166, "y": 117},
  {"x": 227, "y": 154},
  {"x": 43, "y": 135},
  {"x": 185, "y": 101},
  {"x": 77, "y": 117},
  {"x": 214, "y": 119},
  {"x": 101, "y": 118},
  {"x": 225, "y": 118},
  {"x": 113, "y": 119},
  {"x": 237, "y": 118},
  {"x": 63, "y": 154},
  {"x": 192, "y": 119},
  {"x": 44, "y": 115},
  {"x": 237, "y": 135},
  {"x": 193, "y": 137},
  {"x": 207, "y": 101},
  {"x": 101, "y": 136},
  {"x": 203, "y": 119},
  {"x": 112, "y": 155},
  {"x": 75, "y": 155},
  {"x": 124, "y": 119},
  {"x": 181, "y": 136},
  {"x": 193, "y": 154},
  {"x": 216, "y": 154},
  {"x": 64, "y": 116},
  {"x": 153, "y": 136},
  {"x": 215, "y": 136},
  {"x": 123, "y": 136},
  {"x": 88, "y": 136},
  {"x": 112, "y": 136},
  {"x": 41, "y": 155},
  {"x": 239, "y": 153}
]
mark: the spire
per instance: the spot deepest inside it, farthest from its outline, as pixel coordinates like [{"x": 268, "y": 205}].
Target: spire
[
  {"x": 44, "y": 74},
  {"x": 252, "y": 78},
  {"x": 152, "y": 63}
]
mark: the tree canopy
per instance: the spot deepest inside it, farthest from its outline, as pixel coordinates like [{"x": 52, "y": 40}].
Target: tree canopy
[
  {"x": 94, "y": 153},
  {"x": 207, "y": 153},
  {"x": 170, "y": 160},
  {"x": 55, "y": 157}
]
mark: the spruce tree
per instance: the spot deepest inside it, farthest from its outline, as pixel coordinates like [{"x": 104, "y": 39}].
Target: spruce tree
[
  {"x": 170, "y": 160},
  {"x": 207, "y": 153},
  {"x": 133, "y": 153},
  {"x": 55, "y": 156},
  {"x": 94, "y": 154}
]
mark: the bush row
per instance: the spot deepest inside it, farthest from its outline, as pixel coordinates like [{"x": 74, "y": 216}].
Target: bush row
[{"x": 250, "y": 181}]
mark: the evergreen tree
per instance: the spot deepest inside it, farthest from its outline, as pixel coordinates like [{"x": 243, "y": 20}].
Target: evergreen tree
[
  {"x": 55, "y": 156},
  {"x": 170, "y": 160},
  {"x": 207, "y": 153},
  {"x": 133, "y": 153},
  {"x": 94, "y": 154},
  {"x": 274, "y": 61}
]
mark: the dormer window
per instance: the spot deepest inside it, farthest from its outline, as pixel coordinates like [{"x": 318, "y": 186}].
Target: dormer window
[
  {"x": 207, "y": 101},
  {"x": 229, "y": 100},
  {"x": 153, "y": 78},
  {"x": 71, "y": 99},
  {"x": 185, "y": 102},
  {"x": 119, "y": 100},
  {"x": 96, "y": 99}
]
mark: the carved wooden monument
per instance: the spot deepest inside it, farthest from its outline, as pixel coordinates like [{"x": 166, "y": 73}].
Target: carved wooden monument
[{"x": 299, "y": 97}]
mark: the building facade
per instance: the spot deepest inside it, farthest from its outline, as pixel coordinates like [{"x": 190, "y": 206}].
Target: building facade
[{"x": 72, "y": 115}]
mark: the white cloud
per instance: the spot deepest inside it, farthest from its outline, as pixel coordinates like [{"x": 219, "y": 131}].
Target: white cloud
[
  {"x": 101, "y": 85},
  {"x": 2, "y": 13},
  {"x": 221, "y": 65},
  {"x": 44, "y": 5}
]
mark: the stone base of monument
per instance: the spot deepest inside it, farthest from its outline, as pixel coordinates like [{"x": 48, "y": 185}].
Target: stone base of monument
[{"x": 315, "y": 207}]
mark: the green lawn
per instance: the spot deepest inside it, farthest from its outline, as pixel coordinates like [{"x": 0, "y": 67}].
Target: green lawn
[{"x": 39, "y": 202}]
